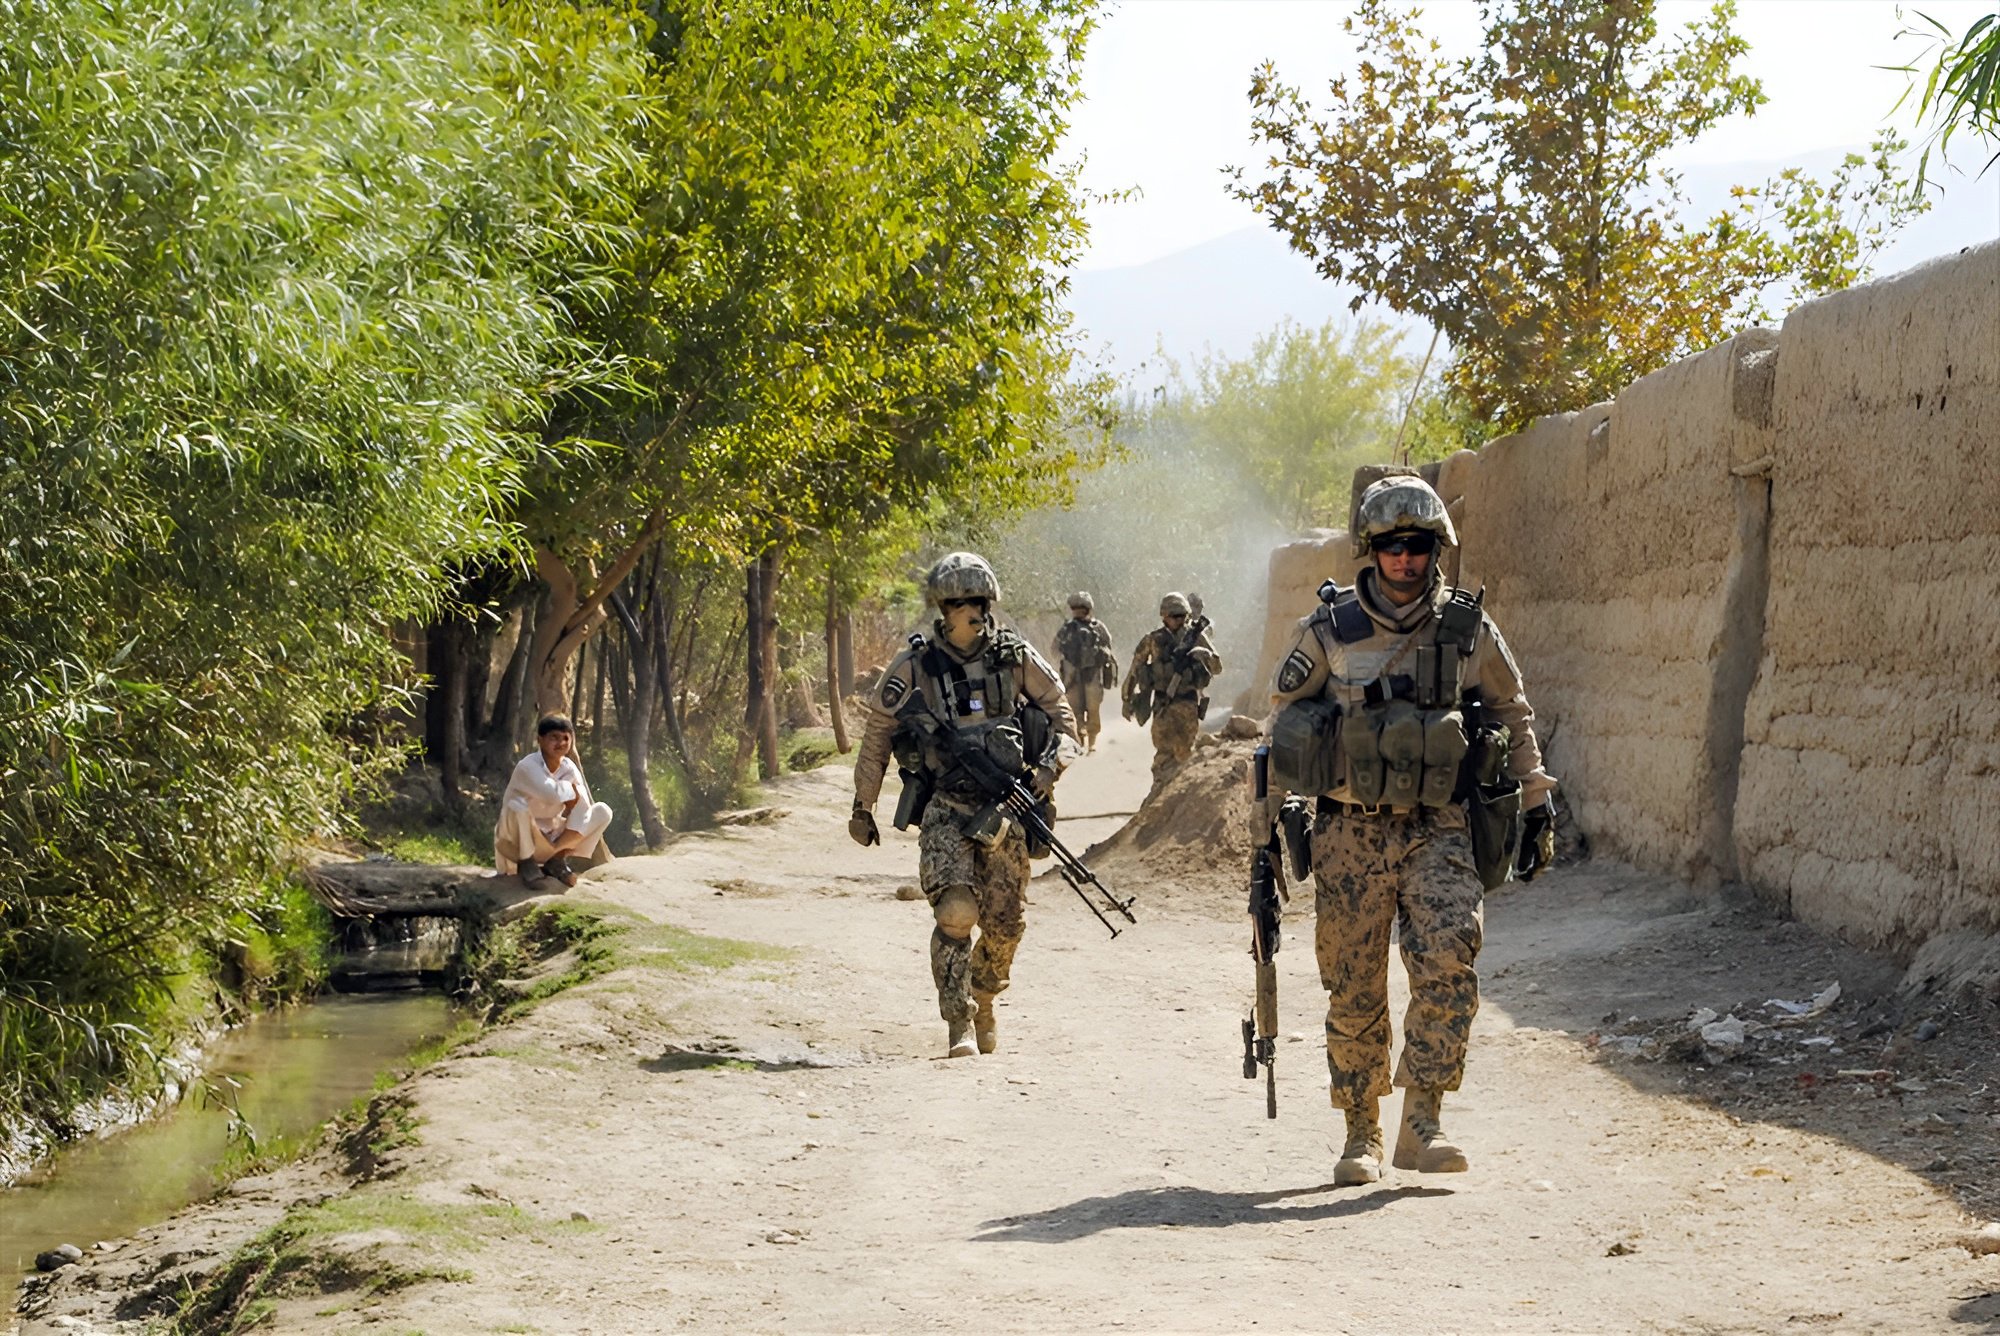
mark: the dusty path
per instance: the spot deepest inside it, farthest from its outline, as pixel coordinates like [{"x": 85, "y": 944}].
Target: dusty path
[{"x": 777, "y": 1145}]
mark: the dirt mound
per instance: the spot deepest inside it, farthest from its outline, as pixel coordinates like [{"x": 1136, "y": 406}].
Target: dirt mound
[{"x": 1188, "y": 837}]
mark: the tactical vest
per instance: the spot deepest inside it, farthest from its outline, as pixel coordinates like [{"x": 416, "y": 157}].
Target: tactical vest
[
  {"x": 981, "y": 700},
  {"x": 1403, "y": 736},
  {"x": 1159, "y": 675},
  {"x": 1078, "y": 644}
]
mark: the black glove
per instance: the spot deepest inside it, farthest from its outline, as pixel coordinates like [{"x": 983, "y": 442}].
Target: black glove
[
  {"x": 1538, "y": 841},
  {"x": 861, "y": 825}
]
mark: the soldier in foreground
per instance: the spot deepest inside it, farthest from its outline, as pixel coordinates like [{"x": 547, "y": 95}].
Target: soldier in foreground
[
  {"x": 1430, "y": 714},
  {"x": 1083, "y": 655},
  {"x": 969, "y": 684},
  {"x": 1171, "y": 669}
]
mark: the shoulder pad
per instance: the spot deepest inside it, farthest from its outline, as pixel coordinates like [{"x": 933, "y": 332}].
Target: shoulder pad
[
  {"x": 1351, "y": 622},
  {"x": 1008, "y": 648},
  {"x": 895, "y": 681},
  {"x": 1459, "y": 619}
]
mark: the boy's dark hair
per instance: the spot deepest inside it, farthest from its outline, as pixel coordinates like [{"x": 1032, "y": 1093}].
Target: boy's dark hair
[{"x": 551, "y": 723}]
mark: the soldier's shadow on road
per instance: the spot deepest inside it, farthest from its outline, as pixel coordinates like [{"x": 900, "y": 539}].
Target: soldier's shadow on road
[{"x": 1190, "y": 1208}]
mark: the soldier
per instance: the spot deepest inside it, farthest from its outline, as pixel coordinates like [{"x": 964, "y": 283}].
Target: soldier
[
  {"x": 989, "y": 689},
  {"x": 1083, "y": 654},
  {"x": 1171, "y": 668},
  {"x": 1421, "y": 676}
]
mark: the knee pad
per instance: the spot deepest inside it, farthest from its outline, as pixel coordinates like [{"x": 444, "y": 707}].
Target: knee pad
[{"x": 957, "y": 911}]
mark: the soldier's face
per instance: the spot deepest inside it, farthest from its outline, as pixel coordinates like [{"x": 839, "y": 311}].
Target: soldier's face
[
  {"x": 1081, "y": 614},
  {"x": 1404, "y": 572},
  {"x": 964, "y": 619}
]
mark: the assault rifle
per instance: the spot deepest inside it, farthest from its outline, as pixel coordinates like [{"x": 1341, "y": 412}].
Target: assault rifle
[
  {"x": 1006, "y": 797},
  {"x": 1181, "y": 656},
  {"x": 1267, "y": 909}
]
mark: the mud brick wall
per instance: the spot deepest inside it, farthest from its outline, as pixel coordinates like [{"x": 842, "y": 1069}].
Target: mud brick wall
[
  {"x": 1870, "y": 793},
  {"x": 1756, "y": 600}
]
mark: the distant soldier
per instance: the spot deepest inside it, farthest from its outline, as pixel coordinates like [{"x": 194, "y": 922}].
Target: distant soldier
[
  {"x": 1171, "y": 670},
  {"x": 1083, "y": 656},
  {"x": 970, "y": 683},
  {"x": 1422, "y": 785}
]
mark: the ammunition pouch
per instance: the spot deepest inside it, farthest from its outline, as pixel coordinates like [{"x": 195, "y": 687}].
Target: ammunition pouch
[
  {"x": 1445, "y": 748},
  {"x": 1108, "y": 674},
  {"x": 1404, "y": 757},
  {"x": 1305, "y": 747},
  {"x": 1361, "y": 747}
]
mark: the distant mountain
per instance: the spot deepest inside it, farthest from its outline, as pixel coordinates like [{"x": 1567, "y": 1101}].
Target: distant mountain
[{"x": 1223, "y": 293}]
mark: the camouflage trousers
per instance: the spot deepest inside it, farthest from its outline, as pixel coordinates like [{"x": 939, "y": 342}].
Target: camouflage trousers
[
  {"x": 1414, "y": 871},
  {"x": 998, "y": 879},
  {"x": 1175, "y": 727},
  {"x": 1086, "y": 702}
]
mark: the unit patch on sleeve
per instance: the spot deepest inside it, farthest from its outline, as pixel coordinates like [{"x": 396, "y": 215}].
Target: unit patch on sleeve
[
  {"x": 893, "y": 690},
  {"x": 1294, "y": 671}
]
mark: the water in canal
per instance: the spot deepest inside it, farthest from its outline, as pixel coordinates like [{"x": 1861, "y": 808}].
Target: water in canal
[{"x": 296, "y": 1069}]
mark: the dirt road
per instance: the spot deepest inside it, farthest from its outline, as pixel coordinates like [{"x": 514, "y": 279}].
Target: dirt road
[{"x": 778, "y": 1145}]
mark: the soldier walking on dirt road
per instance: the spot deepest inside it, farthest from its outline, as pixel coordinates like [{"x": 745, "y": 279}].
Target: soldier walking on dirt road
[
  {"x": 1168, "y": 681},
  {"x": 1083, "y": 656},
  {"x": 1435, "y": 761},
  {"x": 971, "y": 686}
]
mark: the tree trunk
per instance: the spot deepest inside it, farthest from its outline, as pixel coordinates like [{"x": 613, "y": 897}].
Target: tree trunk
[
  {"x": 636, "y": 712},
  {"x": 845, "y": 628},
  {"x": 833, "y": 701},
  {"x": 767, "y": 590},
  {"x": 511, "y": 712},
  {"x": 560, "y": 632},
  {"x": 450, "y": 643}
]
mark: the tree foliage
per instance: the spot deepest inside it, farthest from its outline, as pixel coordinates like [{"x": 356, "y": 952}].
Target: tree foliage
[
  {"x": 282, "y": 297},
  {"x": 1961, "y": 89},
  {"x": 1516, "y": 199},
  {"x": 845, "y": 302}
]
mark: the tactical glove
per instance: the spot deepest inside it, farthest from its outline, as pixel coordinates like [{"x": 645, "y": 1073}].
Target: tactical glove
[
  {"x": 861, "y": 826},
  {"x": 1538, "y": 841},
  {"x": 1043, "y": 781}
]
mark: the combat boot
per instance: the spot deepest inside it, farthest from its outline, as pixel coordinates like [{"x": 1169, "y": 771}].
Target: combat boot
[
  {"x": 1421, "y": 1145},
  {"x": 1361, "y": 1157},
  {"x": 959, "y": 1038},
  {"x": 985, "y": 1027}
]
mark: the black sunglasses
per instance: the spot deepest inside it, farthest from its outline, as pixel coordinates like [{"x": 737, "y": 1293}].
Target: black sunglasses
[
  {"x": 950, "y": 603},
  {"x": 1401, "y": 544}
]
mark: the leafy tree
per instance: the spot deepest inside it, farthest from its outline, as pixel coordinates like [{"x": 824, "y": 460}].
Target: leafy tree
[
  {"x": 845, "y": 300},
  {"x": 1961, "y": 90},
  {"x": 1515, "y": 198},
  {"x": 283, "y": 294}
]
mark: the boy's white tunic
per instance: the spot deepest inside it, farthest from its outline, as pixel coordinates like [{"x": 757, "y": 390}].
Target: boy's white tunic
[{"x": 534, "y": 802}]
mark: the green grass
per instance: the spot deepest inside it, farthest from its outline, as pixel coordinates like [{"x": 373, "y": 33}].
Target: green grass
[{"x": 302, "y": 1254}]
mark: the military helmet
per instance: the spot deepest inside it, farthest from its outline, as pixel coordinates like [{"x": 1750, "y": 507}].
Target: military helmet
[
  {"x": 961, "y": 575},
  {"x": 1172, "y": 603},
  {"x": 1400, "y": 502},
  {"x": 1081, "y": 599}
]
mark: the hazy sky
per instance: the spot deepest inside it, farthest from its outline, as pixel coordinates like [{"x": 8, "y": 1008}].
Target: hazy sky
[{"x": 1165, "y": 83}]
